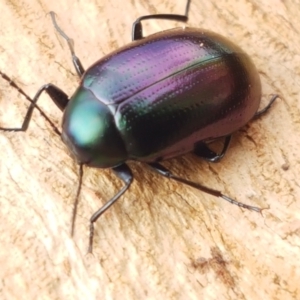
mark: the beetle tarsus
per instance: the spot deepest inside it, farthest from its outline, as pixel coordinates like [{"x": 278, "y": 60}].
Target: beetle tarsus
[
  {"x": 76, "y": 61},
  {"x": 240, "y": 204},
  {"x": 265, "y": 109},
  {"x": 166, "y": 173}
]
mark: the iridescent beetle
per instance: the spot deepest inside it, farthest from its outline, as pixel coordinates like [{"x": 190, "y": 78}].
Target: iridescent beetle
[{"x": 156, "y": 98}]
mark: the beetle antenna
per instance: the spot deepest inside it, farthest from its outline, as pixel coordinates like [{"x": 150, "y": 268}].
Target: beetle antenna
[
  {"x": 77, "y": 199},
  {"x": 15, "y": 86}
]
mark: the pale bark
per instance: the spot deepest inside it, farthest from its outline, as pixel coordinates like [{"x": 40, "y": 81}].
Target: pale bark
[{"x": 161, "y": 240}]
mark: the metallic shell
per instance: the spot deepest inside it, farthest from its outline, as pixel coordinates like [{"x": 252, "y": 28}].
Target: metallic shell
[{"x": 174, "y": 88}]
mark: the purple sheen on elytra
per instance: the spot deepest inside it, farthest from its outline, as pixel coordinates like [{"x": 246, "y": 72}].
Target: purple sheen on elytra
[
  {"x": 165, "y": 93},
  {"x": 141, "y": 64}
]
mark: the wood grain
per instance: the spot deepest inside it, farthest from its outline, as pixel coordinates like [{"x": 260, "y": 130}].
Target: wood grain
[{"x": 162, "y": 240}]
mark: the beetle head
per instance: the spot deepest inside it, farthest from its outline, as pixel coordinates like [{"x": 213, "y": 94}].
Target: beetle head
[{"x": 90, "y": 133}]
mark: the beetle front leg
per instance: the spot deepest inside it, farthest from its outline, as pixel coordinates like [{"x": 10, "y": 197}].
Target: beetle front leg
[
  {"x": 166, "y": 173},
  {"x": 57, "y": 95},
  {"x": 76, "y": 61},
  {"x": 125, "y": 174},
  {"x": 203, "y": 151}
]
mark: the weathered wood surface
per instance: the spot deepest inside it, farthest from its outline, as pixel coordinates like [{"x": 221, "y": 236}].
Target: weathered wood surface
[{"x": 162, "y": 240}]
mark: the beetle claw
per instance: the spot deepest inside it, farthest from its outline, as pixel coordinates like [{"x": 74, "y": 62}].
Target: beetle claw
[{"x": 240, "y": 204}]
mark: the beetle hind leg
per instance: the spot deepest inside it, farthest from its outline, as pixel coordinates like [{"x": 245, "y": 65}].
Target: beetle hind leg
[
  {"x": 203, "y": 151},
  {"x": 166, "y": 173},
  {"x": 265, "y": 109}
]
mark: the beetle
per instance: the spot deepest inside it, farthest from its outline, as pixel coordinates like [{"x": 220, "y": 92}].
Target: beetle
[{"x": 156, "y": 98}]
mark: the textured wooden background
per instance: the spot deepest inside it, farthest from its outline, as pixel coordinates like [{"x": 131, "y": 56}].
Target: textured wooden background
[{"x": 162, "y": 240}]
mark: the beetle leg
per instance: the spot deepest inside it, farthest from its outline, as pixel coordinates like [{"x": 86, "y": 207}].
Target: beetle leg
[
  {"x": 203, "y": 151},
  {"x": 166, "y": 173},
  {"x": 265, "y": 109},
  {"x": 125, "y": 174},
  {"x": 76, "y": 61},
  {"x": 56, "y": 94},
  {"x": 137, "y": 28}
]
